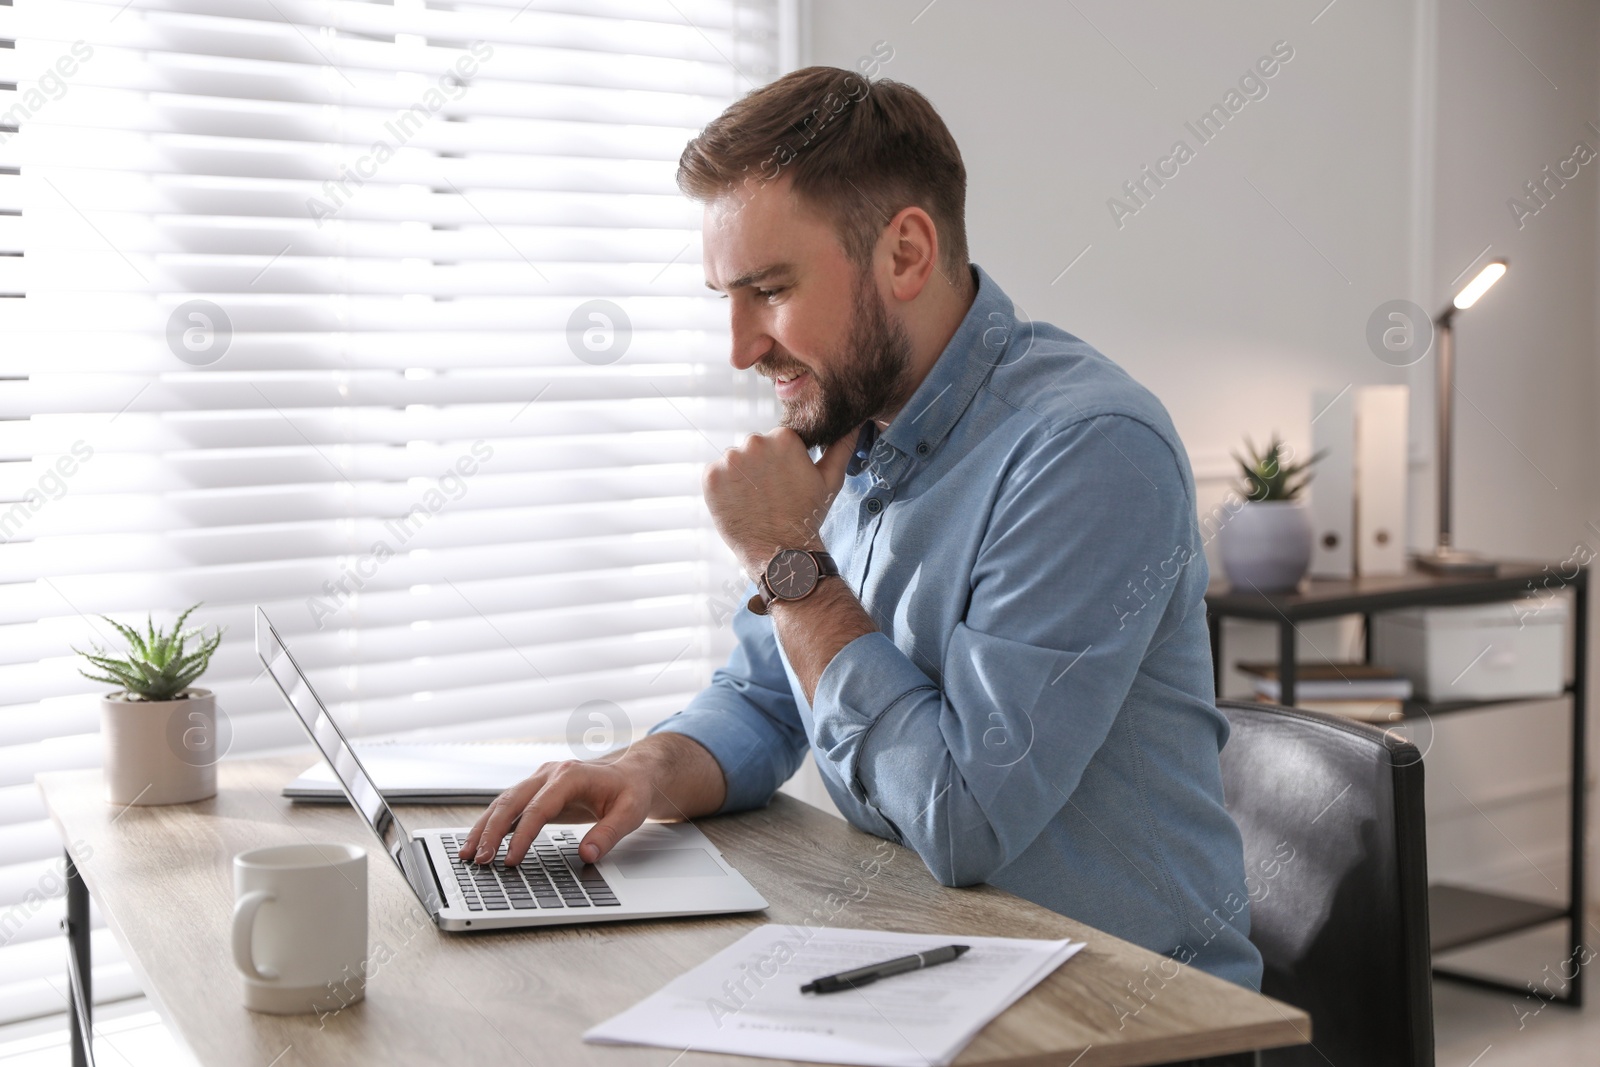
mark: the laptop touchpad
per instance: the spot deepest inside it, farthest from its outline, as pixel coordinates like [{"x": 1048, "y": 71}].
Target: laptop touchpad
[{"x": 667, "y": 863}]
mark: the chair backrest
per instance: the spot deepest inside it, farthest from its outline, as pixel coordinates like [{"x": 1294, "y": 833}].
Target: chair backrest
[{"x": 1336, "y": 866}]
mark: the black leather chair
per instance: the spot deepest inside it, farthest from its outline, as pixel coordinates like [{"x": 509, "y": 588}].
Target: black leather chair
[{"x": 1335, "y": 857}]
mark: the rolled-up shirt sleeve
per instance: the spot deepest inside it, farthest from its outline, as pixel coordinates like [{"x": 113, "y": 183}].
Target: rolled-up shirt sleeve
[
  {"x": 970, "y": 767},
  {"x": 747, "y": 718}
]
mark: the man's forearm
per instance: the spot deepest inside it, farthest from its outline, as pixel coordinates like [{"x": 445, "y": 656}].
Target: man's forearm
[
  {"x": 688, "y": 780},
  {"x": 813, "y": 630}
]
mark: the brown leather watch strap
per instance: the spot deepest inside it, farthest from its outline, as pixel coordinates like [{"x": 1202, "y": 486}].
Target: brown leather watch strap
[{"x": 761, "y": 602}]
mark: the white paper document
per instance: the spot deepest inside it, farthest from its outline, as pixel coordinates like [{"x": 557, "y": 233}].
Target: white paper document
[{"x": 746, "y": 999}]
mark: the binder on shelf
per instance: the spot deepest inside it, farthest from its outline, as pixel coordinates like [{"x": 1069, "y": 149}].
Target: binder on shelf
[
  {"x": 1380, "y": 473},
  {"x": 1332, "y": 489}
]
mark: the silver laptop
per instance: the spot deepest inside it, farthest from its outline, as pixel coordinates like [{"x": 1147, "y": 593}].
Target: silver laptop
[{"x": 659, "y": 870}]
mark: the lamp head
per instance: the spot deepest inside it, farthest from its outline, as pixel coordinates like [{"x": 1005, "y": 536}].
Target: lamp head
[{"x": 1492, "y": 272}]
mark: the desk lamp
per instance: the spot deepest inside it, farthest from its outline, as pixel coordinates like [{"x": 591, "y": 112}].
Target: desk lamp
[{"x": 1445, "y": 557}]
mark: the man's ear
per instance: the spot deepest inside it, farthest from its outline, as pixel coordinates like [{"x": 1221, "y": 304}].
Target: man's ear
[{"x": 913, "y": 246}]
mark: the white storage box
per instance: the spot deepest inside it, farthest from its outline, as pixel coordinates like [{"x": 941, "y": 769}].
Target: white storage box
[{"x": 1477, "y": 652}]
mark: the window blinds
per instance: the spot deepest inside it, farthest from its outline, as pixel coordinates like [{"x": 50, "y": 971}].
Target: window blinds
[{"x": 386, "y": 316}]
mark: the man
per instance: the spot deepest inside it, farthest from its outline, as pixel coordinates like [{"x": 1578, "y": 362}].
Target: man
[{"x": 1010, "y": 672}]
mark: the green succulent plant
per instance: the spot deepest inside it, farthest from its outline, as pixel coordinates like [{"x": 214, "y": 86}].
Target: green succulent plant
[
  {"x": 156, "y": 665},
  {"x": 1268, "y": 477}
]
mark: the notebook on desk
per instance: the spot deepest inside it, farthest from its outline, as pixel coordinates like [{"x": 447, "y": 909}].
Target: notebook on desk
[{"x": 444, "y": 772}]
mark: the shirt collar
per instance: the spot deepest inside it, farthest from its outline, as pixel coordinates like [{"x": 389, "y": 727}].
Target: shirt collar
[{"x": 979, "y": 345}]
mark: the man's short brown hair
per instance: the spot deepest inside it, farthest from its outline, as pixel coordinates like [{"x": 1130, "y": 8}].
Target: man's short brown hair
[{"x": 858, "y": 150}]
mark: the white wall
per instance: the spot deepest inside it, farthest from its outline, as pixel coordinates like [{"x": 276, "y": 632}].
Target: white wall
[
  {"x": 1230, "y": 310},
  {"x": 1526, "y": 368},
  {"x": 1247, "y": 280}
]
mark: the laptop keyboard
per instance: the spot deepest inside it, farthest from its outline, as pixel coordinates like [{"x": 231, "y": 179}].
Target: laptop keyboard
[{"x": 550, "y": 876}]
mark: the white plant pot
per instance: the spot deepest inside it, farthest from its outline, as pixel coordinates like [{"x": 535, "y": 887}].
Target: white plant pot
[
  {"x": 160, "y": 751},
  {"x": 1266, "y": 545}
]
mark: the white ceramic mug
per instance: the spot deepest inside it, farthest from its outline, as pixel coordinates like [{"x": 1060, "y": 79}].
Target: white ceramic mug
[{"x": 300, "y": 927}]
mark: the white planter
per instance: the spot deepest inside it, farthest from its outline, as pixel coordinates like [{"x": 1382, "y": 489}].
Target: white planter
[
  {"x": 1267, "y": 545},
  {"x": 160, "y": 751}
]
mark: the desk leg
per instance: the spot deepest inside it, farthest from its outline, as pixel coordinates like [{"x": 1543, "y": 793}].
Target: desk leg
[
  {"x": 1580, "y": 780},
  {"x": 80, "y": 994},
  {"x": 1286, "y": 665}
]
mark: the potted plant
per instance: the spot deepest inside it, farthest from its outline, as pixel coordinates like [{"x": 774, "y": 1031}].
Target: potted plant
[
  {"x": 1266, "y": 545},
  {"x": 160, "y": 735}
]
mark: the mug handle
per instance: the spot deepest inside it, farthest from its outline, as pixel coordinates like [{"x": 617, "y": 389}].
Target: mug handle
[{"x": 244, "y": 927}]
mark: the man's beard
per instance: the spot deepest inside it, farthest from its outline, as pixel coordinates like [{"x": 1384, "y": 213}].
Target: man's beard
[{"x": 868, "y": 379}]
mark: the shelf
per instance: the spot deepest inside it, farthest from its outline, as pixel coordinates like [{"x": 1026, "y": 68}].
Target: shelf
[
  {"x": 1415, "y": 708},
  {"x": 1431, "y": 708},
  {"x": 1319, "y": 598},
  {"x": 1458, "y": 916}
]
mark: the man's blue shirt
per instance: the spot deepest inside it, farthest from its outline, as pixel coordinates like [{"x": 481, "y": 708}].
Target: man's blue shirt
[{"x": 1036, "y": 710}]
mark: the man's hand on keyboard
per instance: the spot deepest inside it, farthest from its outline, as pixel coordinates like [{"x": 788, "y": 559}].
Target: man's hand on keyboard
[{"x": 666, "y": 776}]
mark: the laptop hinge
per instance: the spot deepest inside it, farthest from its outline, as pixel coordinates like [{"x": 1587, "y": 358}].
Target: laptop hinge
[{"x": 414, "y": 860}]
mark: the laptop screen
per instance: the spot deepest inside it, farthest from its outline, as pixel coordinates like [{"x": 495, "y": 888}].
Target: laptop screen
[{"x": 353, "y": 778}]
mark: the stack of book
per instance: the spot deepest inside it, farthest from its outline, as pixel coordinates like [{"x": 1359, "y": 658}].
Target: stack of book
[{"x": 1355, "y": 690}]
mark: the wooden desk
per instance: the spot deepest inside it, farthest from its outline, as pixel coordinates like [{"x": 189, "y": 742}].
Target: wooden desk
[{"x": 163, "y": 880}]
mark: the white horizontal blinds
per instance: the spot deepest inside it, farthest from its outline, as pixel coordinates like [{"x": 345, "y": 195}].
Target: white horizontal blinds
[{"x": 386, "y": 316}]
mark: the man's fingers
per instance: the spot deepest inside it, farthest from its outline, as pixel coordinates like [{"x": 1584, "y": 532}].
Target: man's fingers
[
  {"x": 559, "y": 789},
  {"x": 501, "y": 819},
  {"x": 470, "y": 849},
  {"x": 497, "y": 818},
  {"x": 622, "y": 819},
  {"x": 530, "y": 821},
  {"x": 489, "y": 828},
  {"x": 572, "y": 787}
]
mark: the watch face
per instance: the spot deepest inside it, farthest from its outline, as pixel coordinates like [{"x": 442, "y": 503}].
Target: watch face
[{"x": 792, "y": 574}]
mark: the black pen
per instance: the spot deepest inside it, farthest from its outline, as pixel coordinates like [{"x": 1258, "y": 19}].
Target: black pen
[{"x": 861, "y": 976}]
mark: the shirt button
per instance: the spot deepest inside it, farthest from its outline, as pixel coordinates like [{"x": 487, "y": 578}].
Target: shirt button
[
  {"x": 874, "y": 505},
  {"x": 922, "y": 448}
]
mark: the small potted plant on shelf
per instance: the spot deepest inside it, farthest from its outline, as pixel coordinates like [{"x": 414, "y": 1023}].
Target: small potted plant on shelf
[
  {"x": 160, "y": 735},
  {"x": 1266, "y": 545}
]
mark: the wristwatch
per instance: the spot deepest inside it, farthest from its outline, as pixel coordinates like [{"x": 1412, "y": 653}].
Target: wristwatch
[{"x": 792, "y": 574}]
